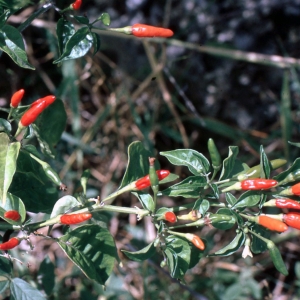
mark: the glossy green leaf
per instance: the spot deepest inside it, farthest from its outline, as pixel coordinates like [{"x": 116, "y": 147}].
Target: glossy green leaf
[
  {"x": 196, "y": 162},
  {"x": 63, "y": 205},
  {"x": 77, "y": 46},
  {"x": 8, "y": 158},
  {"x": 4, "y": 16},
  {"x": 64, "y": 31},
  {"x": 277, "y": 259},
  {"x": 230, "y": 199},
  {"x": 21, "y": 290},
  {"x": 6, "y": 266},
  {"x": 46, "y": 275},
  {"x": 138, "y": 163},
  {"x": 5, "y": 126},
  {"x": 265, "y": 166},
  {"x": 229, "y": 162},
  {"x": 215, "y": 190},
  {"x": 92, "y": 249},
  {"x": 146, "y": 200},
  {"x": 257, "y": 245},
  {"x": 178, "y": 254},
  {"x": 232, "y": 247},
  {"x": 13, "y": 203},
  {"x": 142, "y": 254},
  {"x": 14, "y": 46},
  {"x": 190, "y": 187},
  {"x": 32, "y": 185},
  {"x": 49, "y": 126},
  {"x": 96, "y": 42},
  {"x": 204, "y": 207},
  {"x": 4, "y": 284},
  {"x": 82, "y": 20},
  {"x": 248, "y": 199},
  {"x": 105, "y": 19},
  {"x": 171, "y": 177}
]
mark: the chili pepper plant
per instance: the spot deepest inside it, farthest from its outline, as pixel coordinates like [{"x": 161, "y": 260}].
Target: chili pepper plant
[{"x": 220, "y": 194}]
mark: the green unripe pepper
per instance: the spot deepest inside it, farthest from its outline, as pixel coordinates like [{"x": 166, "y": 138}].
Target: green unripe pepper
[
  {"x": 215, "y": 156},
  {"x": 254, "y": 172}
]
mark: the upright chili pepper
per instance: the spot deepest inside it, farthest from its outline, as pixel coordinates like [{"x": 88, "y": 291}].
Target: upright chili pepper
[
  {"x": 215, "y": 156},
  {"x": 76, "y": 5},
  {"x": 283, "y": 203},
  {"x": 170, "y": 217},
  {"x": 293, "y": 190},
  {"x": 254, "y": 172},
  {"x": 195, "y": 240},
  {"x": 16, "y": 98},
  {"x": 144, "y": 182},
  {"x": 10, "y": 244},
  {"x": 292, "y": 219},
  {"x": 12, "y": 215},
  {"x": 252, "y": 184},
  {"x": 48, "y": 100},
  {"x": 71, "y": 219},
  {"x": 291, "y": 177}
]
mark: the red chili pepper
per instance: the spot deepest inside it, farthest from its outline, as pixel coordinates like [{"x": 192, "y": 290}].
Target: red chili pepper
[
  {"x": 292, "y": 220},
  {"x": 75, "y": 218},
  {"x": 76, "y": 5},
  {"x": 48, "y": 99},
  {"x": 283, "y": 203},
  {"x": 252, "y": 184},
  {"x": 32, "y": 113},
  {"x": 272, "y": 224},
  {"x": 10, "y": 244},
  {"x": 195, "y": 240},
  {"x": 142, "y": 30},
  {"x": 144, "y": 182},
  {"x": 16, "y": 98},
  {"x": 170, "y": 217},
  {"x": 12, "y": 215}
]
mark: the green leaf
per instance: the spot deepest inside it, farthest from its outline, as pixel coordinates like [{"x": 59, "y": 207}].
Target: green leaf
[
  {"x": 82, "y": 20},
  {"x": 178, "y": 254},
  {"x": 248, "y": 199},
  {"x": 50, "y": 125},
  {"x": 202, "y": 205},
  {"x": 230, "y": 199},
  {"x": 265, "y": 166},
  {"x": 229, "y": 162},
  {"x": 5, "y": 126},
  {"x": 190, "y": 187},
  {"x": 96, "y": 42},
  {"x": 138, "y": 163},
  {"x": 14, "y": 46},
  {"x": 21, "y": 290},
  {"x": 13, "y": 203},
  {"x": 232, "y": 247},
  {"x": 142, "y": 254},
  {"x": 105, "y": 19},
  {"x": 32, "y": 185},
  {"x": 257, "y": 245},
  {"x": 4, "y": 16},
  {"x": 46, "y": 275},
  {"x": 8, "y": 157},
  {"x": 4, "y": 284},
  {"x": 146, "y": 201},
  {"x": 92, "y": 249},
  {"x": 196, "y": 162},
  {"x": 14, "y": 4},
  {"x": 77, "y": 46},
  {"x": 6, "y": 266},
  {"x": 64, "y": 31},
  {"x": 63, "y": 205}
]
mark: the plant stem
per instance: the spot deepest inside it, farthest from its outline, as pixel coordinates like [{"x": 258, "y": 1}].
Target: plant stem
[{"x": 40, "y": 11}]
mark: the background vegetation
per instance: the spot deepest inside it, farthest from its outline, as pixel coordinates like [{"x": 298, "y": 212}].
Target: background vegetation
[{"x": 230, "y": 72}]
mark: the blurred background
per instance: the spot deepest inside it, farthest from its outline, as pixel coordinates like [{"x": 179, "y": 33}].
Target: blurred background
[{"x": 230, "y": 72}]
